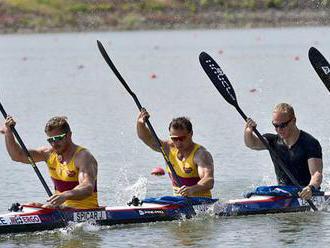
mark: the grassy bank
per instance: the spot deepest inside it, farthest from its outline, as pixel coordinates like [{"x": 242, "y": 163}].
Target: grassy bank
[{"x": 92, "y": 15}]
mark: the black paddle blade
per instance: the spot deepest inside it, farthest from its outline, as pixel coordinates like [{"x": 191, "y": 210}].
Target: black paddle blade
[
  {"x": 320, "y": 65},
  {"x": 112, "y": 66},
  {"x": 218, "y": 78}
]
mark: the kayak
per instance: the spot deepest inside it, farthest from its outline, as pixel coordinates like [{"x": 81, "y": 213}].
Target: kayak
[
  {"x": 269, "y": 205},
  {"x": 271, "y": 199},
  {"x": 27, "y": 218}
]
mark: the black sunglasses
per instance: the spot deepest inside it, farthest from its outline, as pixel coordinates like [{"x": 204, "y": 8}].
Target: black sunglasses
[{"x": 282, "y": 125}]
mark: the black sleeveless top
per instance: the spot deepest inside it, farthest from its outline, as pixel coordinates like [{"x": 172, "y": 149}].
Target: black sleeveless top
[{"x": 294, "y": 158}]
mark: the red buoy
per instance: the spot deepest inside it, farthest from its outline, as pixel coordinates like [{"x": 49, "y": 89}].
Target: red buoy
[{"x": 158, "y": 171}]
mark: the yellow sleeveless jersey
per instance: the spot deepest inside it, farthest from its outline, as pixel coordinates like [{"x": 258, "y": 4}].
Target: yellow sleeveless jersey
[
  {"x": 186, "y": 170},
  {"x": 65, "y": 177}
]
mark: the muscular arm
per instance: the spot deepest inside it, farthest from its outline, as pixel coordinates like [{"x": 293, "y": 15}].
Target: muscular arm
[
  {"x": 145, "y": 134},
  {"x": 205, "y": 167},
  {"x": 17, "y": 154},
  {"x": 250, "y": 139},
  {"x": 87, "y": 166},
  {"x": 315, "y": 166}
]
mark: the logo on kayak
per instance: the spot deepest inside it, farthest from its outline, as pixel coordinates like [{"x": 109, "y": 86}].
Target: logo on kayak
[
  {"x": 89, "y": 215},
  {"x": 326, "y": 69},
  {"x": 146, "y": 212},
  {"x": 19, "y": 220}
]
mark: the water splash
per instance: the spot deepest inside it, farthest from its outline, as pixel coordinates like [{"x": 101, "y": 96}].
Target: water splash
[{"x": 127, "y": 190}]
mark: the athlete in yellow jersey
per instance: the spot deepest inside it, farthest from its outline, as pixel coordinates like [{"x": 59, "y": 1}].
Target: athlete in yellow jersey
[
  {"x": 192, "y": 163},
  {"x": 73, "y": 169}
]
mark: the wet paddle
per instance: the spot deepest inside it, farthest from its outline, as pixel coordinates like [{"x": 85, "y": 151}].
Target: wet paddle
[
  {"x": 31, "y": 161},
  {"x": 223, "y": 85},
  {"x": 320, "y": 65},
  {"x": 138, "y": 104}
]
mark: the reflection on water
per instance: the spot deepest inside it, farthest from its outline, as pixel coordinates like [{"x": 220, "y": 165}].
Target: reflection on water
[
  {"x": 64, "y": 74},
  {"x": 77, "y": 235},
  {"x": 189, "y": 233}
]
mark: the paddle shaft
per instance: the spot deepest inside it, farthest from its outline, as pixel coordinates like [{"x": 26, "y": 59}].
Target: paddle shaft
[
  {"x": 137, "y": 102},
  {"x": 31, "y": 161}
]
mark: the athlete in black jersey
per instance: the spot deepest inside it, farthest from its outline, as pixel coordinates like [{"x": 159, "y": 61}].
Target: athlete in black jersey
[{"x": 300, "y": 151}]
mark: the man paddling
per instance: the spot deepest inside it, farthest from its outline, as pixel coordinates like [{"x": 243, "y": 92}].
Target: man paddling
[
  {"x": 301, "y": 152},
  {"x": 192, "y": 163},
  {"x": 72, "y": 168}
]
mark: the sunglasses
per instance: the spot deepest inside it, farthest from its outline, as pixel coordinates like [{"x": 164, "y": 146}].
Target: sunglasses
[
  {"x": 282, "y": 125},
  {"x": 178, "y": 138},
  {"x": 56, "y": 138}
]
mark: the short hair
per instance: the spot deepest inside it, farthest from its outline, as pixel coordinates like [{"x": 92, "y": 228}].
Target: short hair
[
  {"x": 181, "y": 123},
  {"x": 284, "y": 108},
  {"x": 58, "y": 122}
]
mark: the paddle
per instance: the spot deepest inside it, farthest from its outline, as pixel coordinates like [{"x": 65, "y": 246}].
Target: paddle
[
  {"x": 136, "y": 100},
  {"x": 31, "y": 161},
  {"x": 320, "y": 65},
  {"x": 223, "y": 85}
]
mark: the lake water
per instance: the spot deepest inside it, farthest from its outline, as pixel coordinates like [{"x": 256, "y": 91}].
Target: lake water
[{"x": 43, "y": 75}]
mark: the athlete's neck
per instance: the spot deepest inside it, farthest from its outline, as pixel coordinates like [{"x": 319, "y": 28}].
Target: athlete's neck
[
  {"x": 292, "y": 139},
  {"x": 184, "y": 153},
  {"x": 67, "y": 155}
]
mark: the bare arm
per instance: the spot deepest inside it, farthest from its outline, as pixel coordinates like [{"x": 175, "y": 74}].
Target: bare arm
[
  {"x": 315, "y": 166},
  {"x": 87, "y": 166},
  {"x": 250, "y": 139},
  {"x": 205, "y": 167},
  {"x": 145, "y": 134},
  {"x": 14, "y": 150}
]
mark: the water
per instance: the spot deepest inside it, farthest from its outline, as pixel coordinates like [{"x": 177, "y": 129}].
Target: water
[{"x": 64, "y": 74}]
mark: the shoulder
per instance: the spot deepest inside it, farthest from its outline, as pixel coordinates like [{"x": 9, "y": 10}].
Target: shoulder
[
  {"x": 169, "y": 144},
  {"x": 308, "y": 137},
  {"x": 45, "y": 151},
  {"x": 203, "y": 155},
  {"x": 270, "y": 136},
  {"x": 311, "y": 145},
  {"x": 84, "y": 155}
]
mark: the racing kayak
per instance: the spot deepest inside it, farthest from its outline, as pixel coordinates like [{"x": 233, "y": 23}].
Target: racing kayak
[{"x": 27, "y": 218}]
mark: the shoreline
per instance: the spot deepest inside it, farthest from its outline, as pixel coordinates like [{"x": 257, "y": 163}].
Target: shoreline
[{"x": 99, "y": 15}]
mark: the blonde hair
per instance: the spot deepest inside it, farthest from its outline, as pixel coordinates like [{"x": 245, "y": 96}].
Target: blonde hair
[{"x": 284, "y": 108}]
